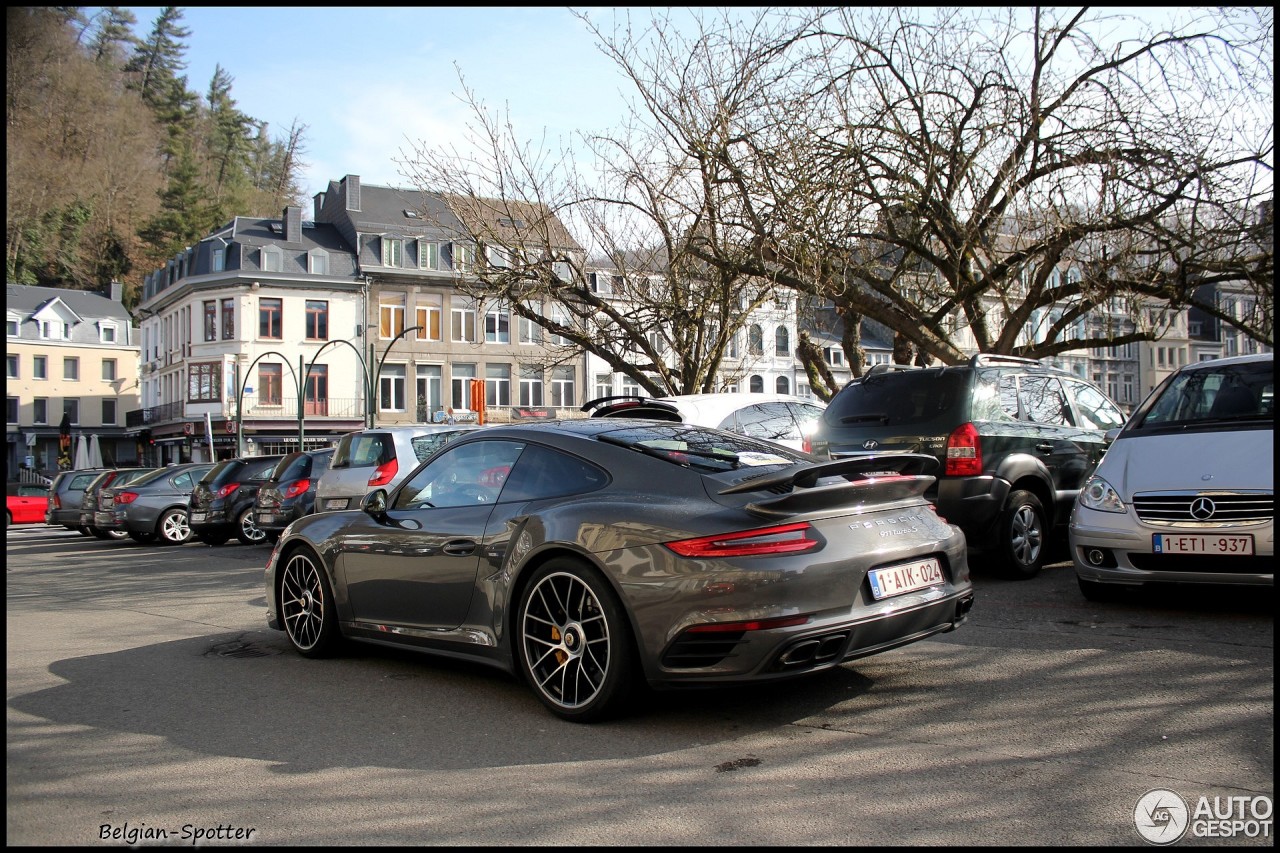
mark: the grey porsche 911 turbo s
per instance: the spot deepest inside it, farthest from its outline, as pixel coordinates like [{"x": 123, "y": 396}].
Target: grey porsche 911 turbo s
[{"x": 594, "y": 558}]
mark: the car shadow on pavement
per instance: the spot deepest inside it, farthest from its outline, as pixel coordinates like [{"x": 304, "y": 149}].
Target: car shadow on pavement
[{"x": 385, "y": 707}]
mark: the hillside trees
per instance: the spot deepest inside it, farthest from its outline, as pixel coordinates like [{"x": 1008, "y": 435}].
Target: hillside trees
[{"x": 111, "y": 191}]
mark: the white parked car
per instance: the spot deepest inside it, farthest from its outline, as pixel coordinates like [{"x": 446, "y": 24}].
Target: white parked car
[
  {"x": 780, "y": 418},
  {"x": 1185, "y": 493},
  {"x": 378, "y": 458}
]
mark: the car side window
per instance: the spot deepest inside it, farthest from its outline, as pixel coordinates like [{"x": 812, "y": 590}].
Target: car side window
[
  {"x": 1007, "y": 396},
  {"x": 771, "y": 421},
  {"x": 182, "y": 482},
  {"x": 545, "y": 473},
  {"x": 1094, "y": 409},
  {"x": 1044, "y": 400},
  {"x": 463, "y": 475}
]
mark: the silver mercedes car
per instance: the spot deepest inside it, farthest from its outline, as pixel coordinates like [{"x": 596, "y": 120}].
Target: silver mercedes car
[{"x": 595, "y": 557}]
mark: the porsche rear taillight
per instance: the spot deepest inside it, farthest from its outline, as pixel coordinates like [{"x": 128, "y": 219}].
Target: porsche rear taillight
[
  {"x": 296, "y": 488},
  {"x": 782, "y": 539},
  {"x": 384, "y": 473},
  {"x": 964, "y": 452},
  {"x": 126, "y": 497}
]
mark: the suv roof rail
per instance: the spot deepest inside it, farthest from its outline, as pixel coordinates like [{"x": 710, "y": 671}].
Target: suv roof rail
[
  {"x": 996, "y": 358},
  {"x": 885, "y": 367}
]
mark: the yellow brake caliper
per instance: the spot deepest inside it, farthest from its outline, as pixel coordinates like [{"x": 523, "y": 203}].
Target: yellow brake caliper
[{"x": 561, "y": 657}]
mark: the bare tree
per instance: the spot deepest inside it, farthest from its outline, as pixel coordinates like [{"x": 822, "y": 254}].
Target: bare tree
[
  {"x": 941, "y": 175},
  {"x": 629, "y": 289}
]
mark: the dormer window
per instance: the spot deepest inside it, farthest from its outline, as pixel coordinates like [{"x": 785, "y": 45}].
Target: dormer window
[
  {"x": 318, "y": 262},
  {"x": 107, "y": 333},
  {"x": 392, "y": 252},
  {"x": 13, "y": 326},
  {"x": 272, "y": 259}
]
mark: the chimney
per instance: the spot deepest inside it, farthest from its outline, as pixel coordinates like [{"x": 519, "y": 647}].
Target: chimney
[
  {"x": 352, "y": 184},
  {"x": 116, "y": 291},
  {"x": 319, "y": 205},
  {"x": 293, "y": 224}
]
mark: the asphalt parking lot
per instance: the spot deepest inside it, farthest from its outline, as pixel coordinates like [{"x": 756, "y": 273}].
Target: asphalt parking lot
[{"x": 145, "y": 695}]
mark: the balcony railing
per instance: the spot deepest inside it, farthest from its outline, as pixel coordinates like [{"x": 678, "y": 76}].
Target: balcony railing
[
  {"x": 286, "y": 408},
  {"x": 154, "y": 415}
]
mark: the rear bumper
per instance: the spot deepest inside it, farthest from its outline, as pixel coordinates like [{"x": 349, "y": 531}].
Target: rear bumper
[{"x": 972, "y": 503}]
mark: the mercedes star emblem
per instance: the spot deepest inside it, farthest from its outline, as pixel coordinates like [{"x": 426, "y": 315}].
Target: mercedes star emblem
[{"x": 1202, "y": 508}]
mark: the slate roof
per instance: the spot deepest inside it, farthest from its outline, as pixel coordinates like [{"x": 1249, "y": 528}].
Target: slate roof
[{"x": 26, "y": 299}]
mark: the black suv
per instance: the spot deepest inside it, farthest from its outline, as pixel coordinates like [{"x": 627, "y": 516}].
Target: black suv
[
  {"x": 222, "y": 502},
  {"x": 290, "y": 491},
  {"x": 1015, "y": 441}
]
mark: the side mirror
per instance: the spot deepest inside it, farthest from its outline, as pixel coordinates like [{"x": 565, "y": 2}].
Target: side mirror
[
  {"x": 375, "y": 503},
  {"x": 1110, "y": 435}
]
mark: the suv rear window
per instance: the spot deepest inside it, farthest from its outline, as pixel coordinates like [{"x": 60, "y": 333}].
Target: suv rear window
[{"x": 901, "y": 397}]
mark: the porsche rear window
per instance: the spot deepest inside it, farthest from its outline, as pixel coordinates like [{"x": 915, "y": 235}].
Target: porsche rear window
[{"x": 697, "y": 447}]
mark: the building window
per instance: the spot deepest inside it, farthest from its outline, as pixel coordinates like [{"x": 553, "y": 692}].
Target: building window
[
  {"x": 391, "y": 388},
  {"x": 272, "y": 259},
  {"x": 203, "y": 382},
  {"x": 428, "y": 391},
  {"x": 757, "y": 384},
  {"x": 11, "y": 410},
  {"x": 107, "y": 333},
  {"x": 782, "y": 342},
  {"x": 497, "y": 326},
  {"x": 755, "y": 340},
  {"x": 219, "y": 256},
  {"x": 497, "y": 385},
  {"x": 463, "y": 321},
  {"x": 783, "y": 385},
  {"x": 563, "y": 395},
  {"x": 464, "y": 256},
  {"x": 428, "y": 255},
  {"x": 13, "y": 326},
  {"x": 211, "y": 320},
  {"x": 108, "y": 411},
  {"x": 317, "y": 320},
  {"x": 40, "y": 410},
  {"x": 40, "y": 367},
  {"x": 427, "y": 319},
  {"x": 11, "y": 366},
  {"x": 316, "y": 394},
  {"x": 604, "y": 385},
  {"x": 460, "y": 385},
  {"x": 318, "y": 262},
  {"x": 71, "y": 408},
  {"x": 270, "y": 384},
  {"x": 71, "y": 368},
  {"x": 527, "y": 331},
  {"x": 228, "y": 319},
  {"x": 271, "y": 318},
  {"x": 108, "y": 370},
  {"x": 391, "y": 316},
  {"x": 52, "y": 330},
  {"x": 392, "y": 252},
  {"x": 530, "y": 385}
]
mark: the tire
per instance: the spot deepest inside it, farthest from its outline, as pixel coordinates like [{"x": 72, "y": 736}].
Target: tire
[
  {"x": 173, "y": 528},
  {"x": 273, "y": 536},
  {"x": 211, "y": 539},
  {"x": 82, "y": 530},
  {"x": 573, "y": 643},
  {"x": 99, "y": 533},
  {"x": 247, "y": 529},
  {"x": 307, "y": 606},
  {"x": 1020, "y": 532},
  {"x": 142, "y": 538}
]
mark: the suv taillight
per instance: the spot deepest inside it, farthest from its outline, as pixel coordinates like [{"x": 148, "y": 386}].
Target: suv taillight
[
  {"x": 296, "y": 488},
  {"x": 964, "y": 452},
  {"x": 384, "y": 473},
  {"x": 227, "y": 489},
  {"x": 57, "y": 502},
  {"x": 126, "y": 497}
]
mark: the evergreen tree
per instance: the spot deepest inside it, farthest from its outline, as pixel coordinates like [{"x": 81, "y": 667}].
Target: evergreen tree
[
  {"x": 114, "y": 34},
  {"x": 157, "y": 60}
]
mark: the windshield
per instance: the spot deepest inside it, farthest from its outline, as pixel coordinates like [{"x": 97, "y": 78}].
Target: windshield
[
  {"x": 697, "y": 447},
  {"x": 898, "y": 398},
  {"x": 1224, "y": 392}
]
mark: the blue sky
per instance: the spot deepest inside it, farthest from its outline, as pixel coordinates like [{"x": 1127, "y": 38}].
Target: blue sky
[{"x": 370, "y": 83}]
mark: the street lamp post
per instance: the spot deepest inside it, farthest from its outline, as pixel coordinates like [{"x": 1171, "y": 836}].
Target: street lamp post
[
  {"x": 375, "y": 375},
  {"x": 240, "y": 399}
]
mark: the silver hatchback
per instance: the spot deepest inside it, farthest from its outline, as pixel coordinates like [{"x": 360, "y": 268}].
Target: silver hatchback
[{"x": 378, "y": 458}]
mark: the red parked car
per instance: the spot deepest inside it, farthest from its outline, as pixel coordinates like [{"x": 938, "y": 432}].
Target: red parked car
[{"x": 25, "y": 504}]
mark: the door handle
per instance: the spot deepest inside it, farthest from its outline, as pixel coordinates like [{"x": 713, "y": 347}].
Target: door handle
[
  {"x": 459, "y": 547},
  {"x": 1045, "y": 447}
]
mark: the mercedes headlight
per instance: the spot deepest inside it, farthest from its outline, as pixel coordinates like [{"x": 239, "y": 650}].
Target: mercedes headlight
[{"x": 1098, "y": 494}]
